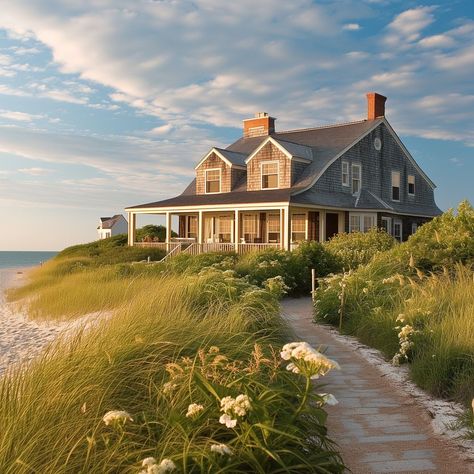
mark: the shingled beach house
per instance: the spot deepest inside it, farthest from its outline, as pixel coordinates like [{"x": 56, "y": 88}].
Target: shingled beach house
[{"x": 275, "y": 189}]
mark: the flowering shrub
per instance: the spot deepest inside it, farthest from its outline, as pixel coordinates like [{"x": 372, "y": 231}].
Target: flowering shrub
[{"x": 405, "y": 336}]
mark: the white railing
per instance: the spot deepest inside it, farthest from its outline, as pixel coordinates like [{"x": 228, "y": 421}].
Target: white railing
[
  {"x": 246, "y": 248},
  {"x": 175, "y": 251}
]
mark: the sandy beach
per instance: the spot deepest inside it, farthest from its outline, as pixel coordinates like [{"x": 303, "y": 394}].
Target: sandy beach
[{"x": 21, "y": 339}]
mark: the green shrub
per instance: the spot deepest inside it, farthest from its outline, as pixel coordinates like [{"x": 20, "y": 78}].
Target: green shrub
[
  {"x": 153, "y": 232},
  {"x": 358, "y": 248}
]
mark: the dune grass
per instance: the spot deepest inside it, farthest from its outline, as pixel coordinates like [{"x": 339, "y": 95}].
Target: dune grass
[{"x": 179, "y": 340}]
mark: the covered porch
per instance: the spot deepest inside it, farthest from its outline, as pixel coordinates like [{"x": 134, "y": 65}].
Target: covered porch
[{"x": 242, "y": 230}]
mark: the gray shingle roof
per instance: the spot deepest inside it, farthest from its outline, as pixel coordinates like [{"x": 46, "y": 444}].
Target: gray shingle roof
[
  {"x": 234, "y": 157},
  {"x": 109, "y": 222}
]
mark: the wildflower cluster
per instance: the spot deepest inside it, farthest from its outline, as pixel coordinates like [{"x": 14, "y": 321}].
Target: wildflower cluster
[
  {"x": 194, "y": 409},
  {"x": 234, "y": 408},
  {"x": 306, "y": 360},
  {"x": 116, "y": 417},
  {"x": 151, "y": 466},
  {"x": 404, "y": 337},
  {"x": 221, "y": 449},
  {"x": 276, "y": 286}
]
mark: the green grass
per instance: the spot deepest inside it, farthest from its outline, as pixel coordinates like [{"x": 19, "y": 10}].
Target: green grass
[{"x": 164, "y": 330}]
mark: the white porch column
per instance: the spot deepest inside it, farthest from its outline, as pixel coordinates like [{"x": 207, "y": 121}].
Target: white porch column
[
  {"x": 236, "y": 231},
  {"x": 131, "y": 228},
  {"x": 322, "y": 226},
  {"x": 285, "y": 212},
  {"x": 168, "y": 230},
  {"x": 200, "y": 227}
]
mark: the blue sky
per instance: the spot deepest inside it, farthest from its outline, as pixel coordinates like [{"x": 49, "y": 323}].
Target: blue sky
[{"x": 110, "y": 103}]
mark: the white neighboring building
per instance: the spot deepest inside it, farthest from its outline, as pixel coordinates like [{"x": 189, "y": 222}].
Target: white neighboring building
[{"x": 110, "y": 226}]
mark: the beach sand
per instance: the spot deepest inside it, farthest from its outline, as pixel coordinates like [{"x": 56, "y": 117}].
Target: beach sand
[{"x": 21, "y": 339}]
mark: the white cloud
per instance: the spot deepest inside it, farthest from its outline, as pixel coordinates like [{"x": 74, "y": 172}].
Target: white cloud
[
  {"x": 437, "y": 41},
  {"x": 34, "y": 171},
  {"x": 408, "y": 25},
  {"x": 351, "y": 26},
  {"x": 19, "y": 116}
]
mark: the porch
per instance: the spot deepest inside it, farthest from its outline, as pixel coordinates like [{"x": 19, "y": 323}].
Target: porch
[{"x": 240, "y": 230}]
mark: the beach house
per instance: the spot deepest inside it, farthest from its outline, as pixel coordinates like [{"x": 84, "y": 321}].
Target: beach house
[
  {"x": 109, "y": 226},
  {"x": 275, "y": 188}
]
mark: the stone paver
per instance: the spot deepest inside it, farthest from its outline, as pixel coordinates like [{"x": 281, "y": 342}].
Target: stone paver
[{"x": 377, "y": 427}]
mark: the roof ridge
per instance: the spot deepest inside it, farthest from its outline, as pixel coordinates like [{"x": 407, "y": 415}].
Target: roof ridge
[
  {"x": 288, "y": 141},
  {"x": 342, "y": 124},
  {"x": 229, "y": 151}
]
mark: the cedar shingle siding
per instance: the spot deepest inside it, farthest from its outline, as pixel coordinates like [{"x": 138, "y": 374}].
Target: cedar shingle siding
[{"x": 268, "y": 153}]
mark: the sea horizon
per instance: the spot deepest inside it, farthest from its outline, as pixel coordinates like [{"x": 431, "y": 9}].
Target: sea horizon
[{"x": 24, "y": 258}]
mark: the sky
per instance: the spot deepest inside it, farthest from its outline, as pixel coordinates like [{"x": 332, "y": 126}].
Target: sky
[{"x": 106, "y": 104}]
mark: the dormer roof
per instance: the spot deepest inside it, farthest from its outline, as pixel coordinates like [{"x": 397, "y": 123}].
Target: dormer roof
[{"x": 232, "y": 158}]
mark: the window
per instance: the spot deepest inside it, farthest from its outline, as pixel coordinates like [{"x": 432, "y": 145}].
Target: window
[
  {"x": 356, "y": 178},
  {"x": 395, "y": 185},
  {"x": 397, "y": 229},
  {"x": 411, "y": 185},
  {"x": 250, "y": 227},
  {"x": 224, "y": 225},
  {"x": 361, "y": 222},
  {"x": 192, "y": 227},
  {"x": 213, "y": 181},
  {"x": 387, "y": 225},
  {"x": 298, "y": 227},
  {"x": 414, "y": 227},
  {"x": 345, "y": 173},
  {"x": 273, "y": 228},
  {"x": 270, "y": 175}
]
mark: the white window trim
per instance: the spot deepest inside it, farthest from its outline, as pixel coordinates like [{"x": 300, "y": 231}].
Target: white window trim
[
  {"x": 268, "y": 231},
  {"x": 305, "y": 226},
  {"x": 220, "y": 180},
  {"x": 261, "y": 173},
  {"x": 399, "y": 185},
  {"x": 347, "y": 185},
  {"x": 408, "y": 185},
  {"x": 414, "y": 227},
  {"x": 389, "y": 224},
  {"x": 395, "y": 222},
  {"x": 362, "y": 216},
  {"x": 356, "y": 165}
]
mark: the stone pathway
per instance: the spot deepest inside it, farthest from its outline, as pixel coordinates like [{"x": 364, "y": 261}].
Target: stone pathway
[{"x": 377, "y": 427}]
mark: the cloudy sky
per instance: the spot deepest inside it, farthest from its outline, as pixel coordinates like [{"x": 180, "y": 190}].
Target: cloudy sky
[{"x": 110, "y": 103}]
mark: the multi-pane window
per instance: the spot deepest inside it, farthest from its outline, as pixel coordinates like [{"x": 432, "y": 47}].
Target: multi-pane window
[
  {"x": 361, "y": 222},
  {"x": 298, "y": 227},
  {"x": 411, "y": 185},
  {"x": 225, "y": 228},
  {"x": 213, "y": 181},
  {"x": 345, "y": 173},
  {"x": 356, "y": 178},
  {"x": 273, "y": 228},
  {"x": 250, "y": 227},
  {"x": 270, "y": 175},
  {"x": 387, "y": 224},
  {"x": 397, "y": 229},
  {"x": 414, "y": 227},
  {"x": 192, "y": 227},
  {"x": 395, "y": 185}
]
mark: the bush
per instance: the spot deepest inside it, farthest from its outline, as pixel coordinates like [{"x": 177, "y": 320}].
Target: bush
[
  {"x": 358, "y": 248},
  {"x": 153, "y": 232}
]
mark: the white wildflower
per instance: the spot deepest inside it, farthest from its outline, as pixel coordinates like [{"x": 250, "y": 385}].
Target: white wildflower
[
  {"x": 168, "y": 387},
  {"x": 116, "y": 416},
  {"x": 148, "y": 462},
  {"x": 167, "y": 465},
  {"x": 193, "y": 410},
  {"x": 228, "y": 421},
  {"x": 222, "y": 449},
  {"x": 328, "y": 398}
]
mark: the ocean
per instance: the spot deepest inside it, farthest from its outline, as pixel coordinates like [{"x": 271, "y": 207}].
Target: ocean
[{"x": 23, "y": 259}]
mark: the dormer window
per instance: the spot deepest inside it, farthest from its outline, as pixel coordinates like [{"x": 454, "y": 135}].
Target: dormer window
[
  {"x": 269, "y": 172},
  {"x": 356, "y": 178},
  {"x": 213, "y": 181}
]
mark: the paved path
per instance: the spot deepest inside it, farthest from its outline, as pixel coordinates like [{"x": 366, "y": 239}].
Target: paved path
[{"x": 377, "y": 428}]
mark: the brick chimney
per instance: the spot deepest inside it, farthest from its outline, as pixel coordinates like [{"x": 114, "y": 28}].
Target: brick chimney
[
  {"x": 262, "y": 124},
  {"x": 375, "y": 105}
]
